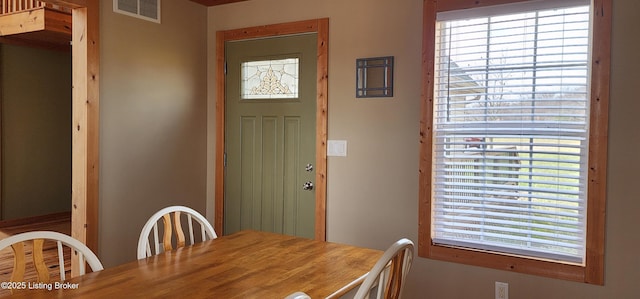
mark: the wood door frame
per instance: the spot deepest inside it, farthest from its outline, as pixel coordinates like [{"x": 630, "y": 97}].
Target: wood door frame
[
  {"x": 85, "y": 121},
  {"x": 319, "y": 26}
]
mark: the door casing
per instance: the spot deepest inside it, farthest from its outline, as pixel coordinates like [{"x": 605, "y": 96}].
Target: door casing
[
  {"x": 85, "y": 122},
  {"x": 319, "y": 26}
]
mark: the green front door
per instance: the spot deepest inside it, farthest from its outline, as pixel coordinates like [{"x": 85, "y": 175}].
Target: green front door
[{"x": 270, "y": 135}]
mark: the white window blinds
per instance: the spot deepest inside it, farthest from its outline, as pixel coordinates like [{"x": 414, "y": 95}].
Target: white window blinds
[{"x": 511, "y": 133}]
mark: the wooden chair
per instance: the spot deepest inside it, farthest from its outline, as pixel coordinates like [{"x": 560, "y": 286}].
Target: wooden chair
[
  {"x": 144, "y": 247},
  {"x": 389, "y": 272},
  {"x": 78, "y": 250},
  {"x": 298, "y": 295},
  {"x": 388, "y": 275}
]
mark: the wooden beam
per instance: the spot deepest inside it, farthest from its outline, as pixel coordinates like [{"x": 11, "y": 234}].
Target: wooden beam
[
  {"x": 322, "y": 113},
  {"x": 220, "y": 120},
  {"x": 57, "y": 21},
  {"x": 85, "y": 53},
  {"x": 271, "y": 30},
  {"x": 598, "y": 141},
  {"x": 70, "y": 3},
  {"x": 426, "y": 132},
  {"x": 21, "y": 22},
  {"x": 41, "y": 27},
  {"x": 85, "y": 112},
  {"x": 216, "y": 2},
  {"x": 451, "y": 5}
]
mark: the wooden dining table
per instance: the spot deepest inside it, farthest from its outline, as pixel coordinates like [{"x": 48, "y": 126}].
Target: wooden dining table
[{"x": 247, "y": 264}]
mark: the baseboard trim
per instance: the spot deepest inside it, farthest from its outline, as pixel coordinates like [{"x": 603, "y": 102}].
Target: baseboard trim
[{"x": 35, "y": 219}]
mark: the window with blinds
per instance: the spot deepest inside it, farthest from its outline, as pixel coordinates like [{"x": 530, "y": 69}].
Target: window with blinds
[{"x": 510, "y": 131}]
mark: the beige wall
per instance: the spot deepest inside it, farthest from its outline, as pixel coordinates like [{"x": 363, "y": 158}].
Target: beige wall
[
  {"x": 152, "y": 120},
  {"x": 36, "y": 131},
  {"x": 372, "y": 193}
]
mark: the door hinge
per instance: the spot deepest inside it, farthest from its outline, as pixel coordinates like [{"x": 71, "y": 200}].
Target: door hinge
[
  {"x": 225, "y": 67},
  {"x": 224, "y": 158}
]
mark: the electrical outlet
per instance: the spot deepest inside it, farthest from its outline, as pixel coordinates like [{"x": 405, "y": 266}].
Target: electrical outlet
[{"x": 502, "y": 290}]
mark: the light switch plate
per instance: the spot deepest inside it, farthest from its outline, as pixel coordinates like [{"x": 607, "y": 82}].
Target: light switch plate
[{"x": 337, "y": 148}]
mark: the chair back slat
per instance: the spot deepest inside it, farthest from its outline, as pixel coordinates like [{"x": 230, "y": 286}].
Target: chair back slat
[
  {"x": 19, "y": 261},
  {"x": 82, "y": 263},
  {"x": 396, "y": 277},
  {"x": 38, "y": 261},
  {"x": 203, "y": 238},
  {"x": 190, "y": 221},
  {"x": 381, "y": 281},
  {"x": 156, "y": 241},
  {"x": 178, "y": 228},
  {"x": 61, "y": 261},
  {"x": 166, "y": 239}
]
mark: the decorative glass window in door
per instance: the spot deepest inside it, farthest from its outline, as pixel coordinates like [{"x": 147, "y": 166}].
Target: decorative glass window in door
[{"x": 270, "y": 79}]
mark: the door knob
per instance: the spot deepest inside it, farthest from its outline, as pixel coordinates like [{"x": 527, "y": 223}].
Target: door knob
[{"x": 307, "y": 186}]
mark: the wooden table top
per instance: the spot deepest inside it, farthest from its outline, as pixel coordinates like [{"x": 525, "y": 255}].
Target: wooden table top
[{"x": 247, "y": 264}]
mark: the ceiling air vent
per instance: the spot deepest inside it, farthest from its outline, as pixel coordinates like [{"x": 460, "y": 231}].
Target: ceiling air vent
[{"x": 144, "y": 9}]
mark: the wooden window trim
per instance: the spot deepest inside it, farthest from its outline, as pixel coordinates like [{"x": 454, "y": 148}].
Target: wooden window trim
[{"x": 593, "y": 270}]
